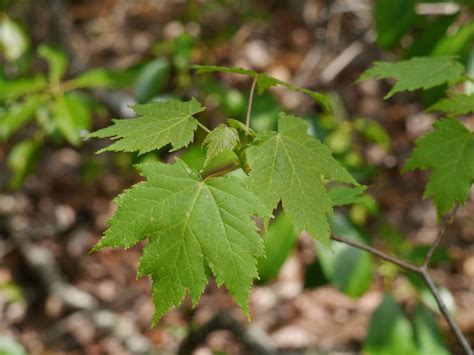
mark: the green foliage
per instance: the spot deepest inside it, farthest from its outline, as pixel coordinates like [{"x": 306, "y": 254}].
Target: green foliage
[
  {"x": 264, "y": 81},
  {"x": 429, "y": 36},
  {"x": 210, "y": 220},
  {"x": 241, "y": 127},
  {"x": 390, "y": 332},
  {"x": 417, "y": 73},
  {"x": 392, "y": 20},
  {"x": 458, "y": 43},
  {"x": 10, "y": 346},
  {"x": 72, "y": 116},
  {"x": 448, "y": 151},
  {"x": 456, "y": 105},
  {"x": 152, "y": 79},
  {"x": 349, "y": 269},
  {"x": 57, "y": 62},
  {"x": 289, "y": 165},
  {"x": 279, "y": 243},
  {"x": 158, "y": 124},
  {"x": 344, "y": 195},
  {"x": 17, "y": 116},
  {"x": 207, "y": 222},
  {"x": 190, "y": 223},
  {"x": 13, "y": 89},
  {"x": 103, "y": 78},
  {"x": 21, "y": 160},
  {"x": 427, "y": 334},
  {"x": 50, "y": 103},
  {"x": 222, "y": 139}
]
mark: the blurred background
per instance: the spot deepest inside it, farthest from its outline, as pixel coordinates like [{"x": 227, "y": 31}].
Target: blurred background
[{"x": 69, "y": 67}]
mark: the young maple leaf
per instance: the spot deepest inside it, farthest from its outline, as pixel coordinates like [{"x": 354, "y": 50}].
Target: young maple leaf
[
  {"x": 159, "y": 123},
  {"x": 417, "y": 73},
  {"x": 289, "y": 165},
  {"x": 449, "y": 152},
  {"x": 220, "y": 140},
  {"x": 265, "y": 81},
  {"x": 190, "y": 223},
  {"x": 456, "y": 105}
]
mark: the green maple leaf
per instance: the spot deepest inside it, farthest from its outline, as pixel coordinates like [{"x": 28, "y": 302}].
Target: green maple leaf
[
  {"x": 456, "y": 105},
  {"x": 341, "y": 196},
  {"x": 289, "y": 165},
  {"x": 264, "y": 81},
  {"x": 190, "y": 223},
  {"x": 449, "y": 152},
  {"x": 417, "y": 73},
  {"x": 159, "y": 123},
  {"x": 222, "y": 139},
  {"x": 241, "y": 127}
]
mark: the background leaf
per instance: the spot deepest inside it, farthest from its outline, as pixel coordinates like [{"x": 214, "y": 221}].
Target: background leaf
[
  {"x": 279, "y": 241},
  {"x": 390, "y": 332},
  {"x": 57, "y": 61},
  {"x": 151, "y": 80},
  {"x": 72, "y": 116},
  {"x": 393, "y": 18},
  {"x": 16, "y": 88},
  {"x": 416, "y": 73},
  {"x": 427, "y": 333},
  {"x": 448, "y": 151},
  {"x": 456, "y": 105},
  {"x": 17, "y": 116},
  {"x": 346, "y": 195},
  {"x": 21, "y": 160},
  {"x": 349, "y": 269},
  {"x": 104, "y": 78}
]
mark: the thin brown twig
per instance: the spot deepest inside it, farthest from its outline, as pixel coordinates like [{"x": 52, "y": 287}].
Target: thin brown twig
[
  {"x": 444, "y": 310},
  {"x": 393, "y": 259},
  {"x": 422, "y": 271},
  {"x": 442, "y": 228}
]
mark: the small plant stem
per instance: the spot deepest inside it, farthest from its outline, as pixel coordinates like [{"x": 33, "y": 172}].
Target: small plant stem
[
  {"x": 203, "y": 127},
  {"x": 249, "y": 105},
  {"x": 442, "y": 227},
  {"x": 68, "y": 85},
  {"x": 444, "y": 310},
  {"x": 387, "y": 257},
  {"x": 221, "y": 172}
]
